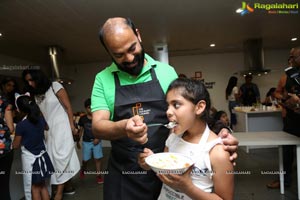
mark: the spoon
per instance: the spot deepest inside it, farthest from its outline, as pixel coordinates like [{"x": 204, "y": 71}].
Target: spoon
[
  {"x": 170, "y": 125},
  {"x": 140, "y": 149}
]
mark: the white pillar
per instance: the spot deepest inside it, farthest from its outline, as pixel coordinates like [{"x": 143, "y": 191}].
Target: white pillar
[{"x": 161, "y": 53}]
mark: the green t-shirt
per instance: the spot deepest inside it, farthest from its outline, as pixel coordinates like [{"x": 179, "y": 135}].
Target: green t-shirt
[{"x": 103, "y": 93}]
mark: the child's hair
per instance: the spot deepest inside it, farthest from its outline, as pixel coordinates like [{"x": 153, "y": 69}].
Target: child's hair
[
  {"x": 217, "y": 124},
  {"x": 194, "y": 91},
  {"x": 219, "y": 114},
  {"x": 271, "y": 90},
  {"x": 87, "y": 102},
  {"x": 26, "y": 105},
  {"x": 231, "y": 83}
]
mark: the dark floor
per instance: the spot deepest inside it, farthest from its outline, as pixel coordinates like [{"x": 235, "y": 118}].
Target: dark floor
[{"x": 250, "y": 183}]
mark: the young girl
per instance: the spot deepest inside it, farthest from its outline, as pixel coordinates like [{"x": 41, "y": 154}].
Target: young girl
[
  {"x": 220, "y": 121},
  {"x": 210, "y": 177},
  {"x": 37, "y": 166},
  {"x": 232, "y": 95}
]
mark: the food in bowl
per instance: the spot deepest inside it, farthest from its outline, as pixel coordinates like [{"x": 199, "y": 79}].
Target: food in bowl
[{"x": 169, "y": 163}]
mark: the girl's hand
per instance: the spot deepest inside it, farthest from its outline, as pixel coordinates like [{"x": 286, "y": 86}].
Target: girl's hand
[
  {"x": 179, "y": 182},
  {"x": 141, "y": 158}
]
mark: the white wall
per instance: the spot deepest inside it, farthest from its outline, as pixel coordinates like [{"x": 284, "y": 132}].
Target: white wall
[
  {"x": 219, "y": 67},
  {"x": 215, "y": 68},
  {"x": 83, "y": 76}
]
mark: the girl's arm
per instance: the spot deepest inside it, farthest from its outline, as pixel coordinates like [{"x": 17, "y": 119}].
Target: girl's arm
[
  {"x": 17, "y": 142},
  {"x": 184, "y": 184},
  {"x": 223, "y": 178}
]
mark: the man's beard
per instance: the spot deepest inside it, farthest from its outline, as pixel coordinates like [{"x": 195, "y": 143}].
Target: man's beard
[{"x": 136, "y": 70}]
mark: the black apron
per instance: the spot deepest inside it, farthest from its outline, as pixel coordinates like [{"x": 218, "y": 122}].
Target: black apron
[{"x": 125, "y": 179}]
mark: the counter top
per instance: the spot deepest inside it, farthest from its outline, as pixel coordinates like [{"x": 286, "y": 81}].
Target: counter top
[
  {"x": 266, "y": 138},
  {"x": 256, "y": 110}
]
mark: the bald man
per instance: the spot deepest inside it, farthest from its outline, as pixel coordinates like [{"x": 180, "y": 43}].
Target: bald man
[
  {"x": 126, "y": 96},
  {"x": 288, "y": 90}
]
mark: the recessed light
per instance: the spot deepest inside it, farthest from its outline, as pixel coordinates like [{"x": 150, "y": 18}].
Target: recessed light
[
  {"x": 239, "y": 10},
  {"x": 294, "y": 39},
  {"x": 212, "y": 45},
  {"x": 0, "y": 34}
]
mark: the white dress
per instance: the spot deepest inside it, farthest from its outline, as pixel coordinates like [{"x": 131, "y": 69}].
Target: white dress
[
  {"x": 60, "y": 144},
  {"x": 202, "y": 173}
]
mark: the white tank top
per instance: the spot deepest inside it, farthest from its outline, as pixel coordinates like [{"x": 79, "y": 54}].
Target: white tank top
[{"x": 202, "y": 172}]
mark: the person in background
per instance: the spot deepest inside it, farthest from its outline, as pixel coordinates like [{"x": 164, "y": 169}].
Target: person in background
[
  {"x": 279, "y": 90},
  {"x": 126, "y": 96},
  {"x": 90, "y": 144},
  {"x": 208, "y": 178},
  {"x": 6, "y": 153},
  {"x": 30, "y": 136},
  {"x": 182, "y": 76},
  {"x": 232, "y": 95},
  {"x": 288, "y": 92},
  {"x": 55, "y": 105},
  {"x": 249, "y": 92},
  {"x": 220, "y": 121},
  {"x": 270, "y": 98},
  {"x": 8, "y": 88}
]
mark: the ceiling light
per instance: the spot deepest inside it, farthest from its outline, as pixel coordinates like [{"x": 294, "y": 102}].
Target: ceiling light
[
  {"x": 239, "y": 10},
  {"x": 212, "y": 45},
  {"x": 0, "y": 34},
  {"x": 294, "y": 39}
]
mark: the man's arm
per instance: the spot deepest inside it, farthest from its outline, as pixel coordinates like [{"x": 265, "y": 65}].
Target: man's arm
[
  {"x": 279, "y": 92},
  {"x": 291, "y": 101},
  {"x": 105, "y": 129},
  {"x": 133, "y": 128}
]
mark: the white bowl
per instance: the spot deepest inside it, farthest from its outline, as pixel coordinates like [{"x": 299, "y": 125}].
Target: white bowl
[{"x": 169, "y": 163}]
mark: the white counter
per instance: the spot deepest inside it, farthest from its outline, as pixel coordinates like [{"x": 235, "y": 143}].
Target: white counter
[
  {"x": 272, "y": 138},
  {"x": 259, "y": 120}
]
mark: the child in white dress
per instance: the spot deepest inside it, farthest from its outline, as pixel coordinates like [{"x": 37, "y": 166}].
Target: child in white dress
[{"x": 211, "y": 175}]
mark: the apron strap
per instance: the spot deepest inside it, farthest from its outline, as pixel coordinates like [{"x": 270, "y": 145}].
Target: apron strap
[
  {"x": 117, "y": 80},
  {"x": 41, "y": 160}
]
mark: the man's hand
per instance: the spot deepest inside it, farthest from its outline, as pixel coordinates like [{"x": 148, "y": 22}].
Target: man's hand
[
  {"x": 293, "y": 102},
  {"x": 230, "y": 144},
  {"x": 136, "y": 129}
]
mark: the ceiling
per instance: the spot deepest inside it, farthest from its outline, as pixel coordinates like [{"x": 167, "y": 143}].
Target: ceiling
[{"x": 29, "y": 27}]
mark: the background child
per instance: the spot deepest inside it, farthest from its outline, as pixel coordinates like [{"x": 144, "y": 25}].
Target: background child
[
  {"x": 89, "y": 143},
  {"x": 220, "y": 121},
  {"x": 37, "y": 166},
  {"x": 209, "y": 177}
]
